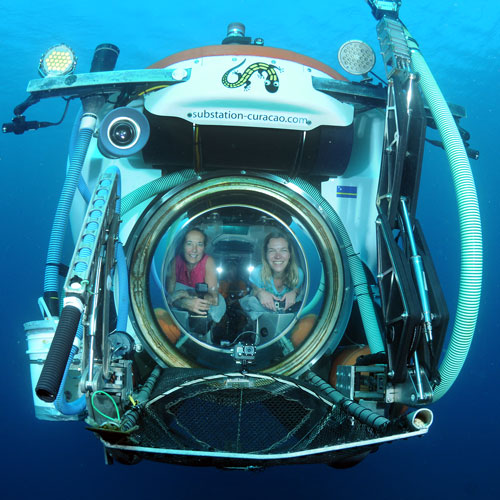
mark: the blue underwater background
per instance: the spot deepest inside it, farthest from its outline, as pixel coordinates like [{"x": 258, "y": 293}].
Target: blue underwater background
[{"x": 460, "y": 40}]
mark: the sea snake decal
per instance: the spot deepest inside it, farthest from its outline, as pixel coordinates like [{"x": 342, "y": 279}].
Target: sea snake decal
[{"x": 271, "y": 76}]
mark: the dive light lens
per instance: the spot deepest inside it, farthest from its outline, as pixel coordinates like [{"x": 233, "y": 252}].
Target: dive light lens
[
  {"x": 122, "y": 133},
  {"x": 57, "y": 61}
]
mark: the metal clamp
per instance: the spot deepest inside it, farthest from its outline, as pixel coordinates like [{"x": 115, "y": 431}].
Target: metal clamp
[
  {"x": 381, "y": 8},
  {"x": 393, "y": 46},
  {"x": 93, "y": 235}
]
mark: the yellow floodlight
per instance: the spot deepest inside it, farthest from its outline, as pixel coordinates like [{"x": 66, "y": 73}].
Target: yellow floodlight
[{"x": 57, "y": 61}]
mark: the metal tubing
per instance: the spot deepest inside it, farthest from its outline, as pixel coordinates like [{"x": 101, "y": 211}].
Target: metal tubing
[
  {"x": 420, "y": 419},
  {"x": 418, "y": 268},
  {"x": 419, "y": 378},
  {"x": 93, "y": 324}
]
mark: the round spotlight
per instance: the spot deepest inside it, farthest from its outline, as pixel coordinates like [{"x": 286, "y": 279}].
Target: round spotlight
[
  {"x": 356, "y": 57},
  {"x": 123, "y": 132},
  {"x": 57, "y": 61}
]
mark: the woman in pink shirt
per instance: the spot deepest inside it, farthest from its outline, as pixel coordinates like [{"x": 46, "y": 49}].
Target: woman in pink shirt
[{"x": 190, "y": 268}]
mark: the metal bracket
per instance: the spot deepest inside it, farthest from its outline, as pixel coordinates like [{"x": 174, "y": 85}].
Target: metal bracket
[
  {"x": 381, "y": 8},
  {"x": 408, "y": 392},
  {"x": 93, "y": 236},
  {"x": 370, "y": 384},
  {"x": 362, "y": 382},
  {"x": 393, "y": 46},
  {"x": 119, "y": 386},
  {"x": 90, "y": 270},
  {"x": 105, "y": 81}
]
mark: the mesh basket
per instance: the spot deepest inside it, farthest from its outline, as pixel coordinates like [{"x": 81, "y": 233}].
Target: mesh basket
[{"x": 253, "y": 414}]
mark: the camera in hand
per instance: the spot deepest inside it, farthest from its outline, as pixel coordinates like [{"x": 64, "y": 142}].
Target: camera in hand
[
  {"x": 201, "y": 289},
  {"x": 199, "y": 323},
  {"x": 279, "y": 305}
]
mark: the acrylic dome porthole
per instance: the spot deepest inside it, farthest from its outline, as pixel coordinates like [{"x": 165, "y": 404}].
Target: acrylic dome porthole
[{"x": 235, "y": 214}]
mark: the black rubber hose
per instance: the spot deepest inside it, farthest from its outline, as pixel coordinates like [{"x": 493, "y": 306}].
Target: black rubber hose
[
  {"x": 130, "y": 418},
  {"x": 363, "y": 414},
  {"x": 57, "y": 357}
]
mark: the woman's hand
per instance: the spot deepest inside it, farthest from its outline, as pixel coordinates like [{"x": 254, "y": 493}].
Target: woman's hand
[
  {"x": 266, "y": 299},
  {"x": 196, "y": 305},
  {"x": 183, "y": 300},
  {"x": 290, "y": 299}
]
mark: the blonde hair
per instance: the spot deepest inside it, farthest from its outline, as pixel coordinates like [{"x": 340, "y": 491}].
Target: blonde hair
[{"x": 291, "y": 273}]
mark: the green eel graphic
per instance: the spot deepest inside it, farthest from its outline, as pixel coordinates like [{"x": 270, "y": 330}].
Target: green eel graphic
[{"x": 272, "y": 81}]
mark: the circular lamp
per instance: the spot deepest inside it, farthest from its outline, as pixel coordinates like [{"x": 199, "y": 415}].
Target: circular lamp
[
  {"x": 57, "y": 61},
  {"x": 356, "y": 57}
]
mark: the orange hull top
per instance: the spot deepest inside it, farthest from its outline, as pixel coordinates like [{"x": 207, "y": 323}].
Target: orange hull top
[{"x": 247, "y": 50}]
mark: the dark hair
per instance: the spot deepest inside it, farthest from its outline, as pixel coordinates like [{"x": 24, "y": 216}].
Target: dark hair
[
  {"x": 180, "y": 244},
  {"x": 188, "y": 230}
]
